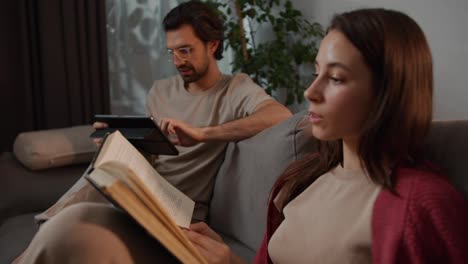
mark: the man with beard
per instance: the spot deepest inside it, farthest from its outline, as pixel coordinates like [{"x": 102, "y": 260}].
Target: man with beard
[{"x": 202, "y": 109}]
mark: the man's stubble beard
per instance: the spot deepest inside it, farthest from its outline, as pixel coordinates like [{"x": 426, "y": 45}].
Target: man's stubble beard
[{"x": 195, "y": 76}]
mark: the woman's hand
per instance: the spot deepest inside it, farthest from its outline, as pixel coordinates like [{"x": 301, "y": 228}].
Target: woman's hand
[{"x": 210, "y": 244}]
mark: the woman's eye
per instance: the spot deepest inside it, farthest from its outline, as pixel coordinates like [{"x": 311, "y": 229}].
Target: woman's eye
[{"x": 336, "y": 80}]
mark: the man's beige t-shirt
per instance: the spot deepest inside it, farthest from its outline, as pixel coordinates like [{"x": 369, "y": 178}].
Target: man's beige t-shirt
[
  {"x": 330, "y": 222},
  {"x": 193, "y": 170}
]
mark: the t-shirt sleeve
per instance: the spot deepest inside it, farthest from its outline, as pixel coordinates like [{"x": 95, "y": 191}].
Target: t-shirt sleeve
[
  {"x": 151, "y": 102},
  {"x": 245, "y": 95}
]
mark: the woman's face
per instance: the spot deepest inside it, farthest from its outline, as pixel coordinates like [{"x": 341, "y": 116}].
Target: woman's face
[{"x": 341, "y": 95}]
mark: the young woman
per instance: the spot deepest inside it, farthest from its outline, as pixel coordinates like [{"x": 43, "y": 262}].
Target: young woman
[{"x": 365, "y": 197}]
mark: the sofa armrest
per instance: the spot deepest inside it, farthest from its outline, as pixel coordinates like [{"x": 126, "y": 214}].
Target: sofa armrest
[{"x": 23, "y": 190}]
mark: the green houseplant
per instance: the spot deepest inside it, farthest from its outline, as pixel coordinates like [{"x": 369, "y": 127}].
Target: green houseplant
[{"x": 274, "y": 61}]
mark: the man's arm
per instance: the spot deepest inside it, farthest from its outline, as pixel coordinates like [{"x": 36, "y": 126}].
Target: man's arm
[{"x": 266, "y": 114}]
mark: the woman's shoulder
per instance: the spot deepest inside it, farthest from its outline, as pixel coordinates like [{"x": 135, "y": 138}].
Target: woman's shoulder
[
  {"x": 422, "y": 189},
  {"x": 424, "y": 210},
  {"x": 424, "y": 182},
  {"x": 427, "y": 192}
]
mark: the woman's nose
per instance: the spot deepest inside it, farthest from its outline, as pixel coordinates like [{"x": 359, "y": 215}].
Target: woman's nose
[{"x": 315, "y": 91}]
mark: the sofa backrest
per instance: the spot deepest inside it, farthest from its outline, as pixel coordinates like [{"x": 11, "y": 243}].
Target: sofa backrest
[
  {"x": 447, "y": 147},
  {"x": 245, "y": 178}
]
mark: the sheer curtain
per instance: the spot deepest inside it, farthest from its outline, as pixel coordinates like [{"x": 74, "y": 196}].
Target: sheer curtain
[{"x": 136, "y": 45}]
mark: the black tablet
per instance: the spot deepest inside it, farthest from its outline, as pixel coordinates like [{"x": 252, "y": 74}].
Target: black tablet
[{"x": 141, "y": 131}]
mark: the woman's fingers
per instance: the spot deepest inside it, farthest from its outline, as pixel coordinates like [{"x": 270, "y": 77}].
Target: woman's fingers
[
  {"x": 214, "y": 251},
  {"x": 204, "y": 229}
]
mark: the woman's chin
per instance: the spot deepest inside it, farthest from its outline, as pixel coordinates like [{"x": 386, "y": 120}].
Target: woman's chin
[{"x": 322, "y": 135}]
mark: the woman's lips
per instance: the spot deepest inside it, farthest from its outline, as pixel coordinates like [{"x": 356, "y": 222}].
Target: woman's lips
[{"x": 315, "y": 118}]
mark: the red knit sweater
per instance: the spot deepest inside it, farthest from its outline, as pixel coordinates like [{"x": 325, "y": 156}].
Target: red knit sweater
[{"x": 427, "y": 222}]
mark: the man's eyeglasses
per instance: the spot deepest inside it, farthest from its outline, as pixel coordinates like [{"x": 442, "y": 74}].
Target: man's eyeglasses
[{"x": 182, "y": 53}]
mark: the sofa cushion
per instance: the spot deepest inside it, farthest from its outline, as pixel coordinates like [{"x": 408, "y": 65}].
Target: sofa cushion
[
  {"x": 23, "y": 190},
  {"x": 239, "y": 248},
  {"x": 245, "y": 178},
  {"x": 54, "y": 147},
  {"x": 15, "y": 235}
]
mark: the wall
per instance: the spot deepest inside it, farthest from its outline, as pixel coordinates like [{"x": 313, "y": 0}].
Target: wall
[{"x": 446, "y": 26}]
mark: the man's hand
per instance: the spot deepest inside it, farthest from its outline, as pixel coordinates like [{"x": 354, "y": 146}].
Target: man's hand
[
  {"x": 181, "y": 133},
  {"x": 96, "y": 126},
  {"x": 210, "y": 244}
]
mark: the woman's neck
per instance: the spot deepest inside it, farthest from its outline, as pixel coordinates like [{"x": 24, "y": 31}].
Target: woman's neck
[{"x": 350, "y": 155}]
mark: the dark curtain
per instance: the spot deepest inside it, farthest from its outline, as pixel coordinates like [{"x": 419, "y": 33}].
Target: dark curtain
[{"x": 60, "y": 70}]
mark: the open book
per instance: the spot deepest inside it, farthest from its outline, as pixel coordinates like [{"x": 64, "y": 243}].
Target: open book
[{"x": 122, "y": 174}]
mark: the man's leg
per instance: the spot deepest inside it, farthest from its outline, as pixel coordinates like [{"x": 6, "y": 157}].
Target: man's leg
[{"x": 94, "y": 233}]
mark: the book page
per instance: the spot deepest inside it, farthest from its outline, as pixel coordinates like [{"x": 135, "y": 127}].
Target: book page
[
  {"x": 167, "y": 233},
  {"x": 116, "y": 148},
  {"x": 182, "y": 249},
  {"x": 110, "y": 174}
]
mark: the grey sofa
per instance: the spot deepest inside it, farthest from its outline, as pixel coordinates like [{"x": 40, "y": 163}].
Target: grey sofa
[{"x": 238, "y": 207}]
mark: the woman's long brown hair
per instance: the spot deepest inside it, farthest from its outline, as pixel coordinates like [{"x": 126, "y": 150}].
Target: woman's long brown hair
[{"x": 395, "y": 49}]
